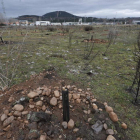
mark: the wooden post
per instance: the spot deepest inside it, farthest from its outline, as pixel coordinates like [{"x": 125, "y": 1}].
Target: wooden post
[
  {"x": 65, "y": 98},
  {"x": 1, "y": 40}
]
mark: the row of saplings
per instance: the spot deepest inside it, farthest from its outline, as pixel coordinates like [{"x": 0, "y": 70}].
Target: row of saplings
[{"x": 113, "y": 116}]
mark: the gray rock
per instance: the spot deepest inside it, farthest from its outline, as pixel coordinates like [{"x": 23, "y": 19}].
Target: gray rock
[
  {"x": 65, "y": 125},
  {"x": 33, "y": 125},
  {"x": 33, "y": 134},
  {"x": 22, "y": 100},
  {"x": 97, "y": 127},
  {"x": 39, "y": 116}
]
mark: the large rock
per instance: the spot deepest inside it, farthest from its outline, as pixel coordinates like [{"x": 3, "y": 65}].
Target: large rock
[
  {"x": 39, "y": 116},
  {"x": 8, "y": 121},
  {"x": 32, "y": 94},
  {"x": 3, "y": 117},
  {"x": 110, "y": 137},
  {"x": 56, "y": 93},
  {"x": 22, "y": 100},
  {"x": 97, "y": 127},
  {"x": 53, "y": 101},
  {"x": 32, "y": 126},
  {"x": 70, "y": 124},
  {"x": 18, "y": 107}
]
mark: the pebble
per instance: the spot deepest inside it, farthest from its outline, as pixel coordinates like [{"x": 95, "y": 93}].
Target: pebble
[
  {"x": 43, "y": 137},
  {"x": 76, "y": 96},
  {"x": 6, "y": 112},
  {"x": 80, "y": 90},
  {"x": 3, "y": 117},
  {"x": 60, "y": 98},
  {"x": 84, "y": 100},
  {"x": 110, "y": 137},
  {"x": 44, "y": 107},
  {"x": 70, "y": 124},
  {"x": 65, "y": 125},
  {"x": 7, "y": 128},
  {"x": 94, "y": 106},
  {"x": 39, "y": 103},
  {"x": 70, "y": 96},
  {"x": 89, "y": 111},
  {"x": 8, "y": 121},
  {"x": 31, "y": 106},
  {"x": 17, "y": 114},
  {"x": 78, "y": 101},
  {"x": 113, "y": 116},
  {"x": 24, "y": 112},
  {"x": 83, "y": 95},
  {"x": 94, "y": 100},
  {"x": 56, "y": 93},
  {"x": 75, "y": 130},
  {"x": 53, "y": 101},
  {"x": 32, "y": 94},
  {"x": 10, "y": 99},
  {"x": 48, "y": 112},
  {"x": 105, "y": 126},
  {"x": 88, "y": 89},
  {"x": 108, "y": 109},
  {"x": 26, "y": 122},
  {"x": 109, "y": 132},
  {"x": 18, "y": 107},
  {"x": 85, "y": 111},
  {"x": 60, "y": 106},
  {"x": 89, "y": 119}
]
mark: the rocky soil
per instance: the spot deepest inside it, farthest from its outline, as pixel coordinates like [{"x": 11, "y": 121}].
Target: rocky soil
[{"x": 33, "y": 110}]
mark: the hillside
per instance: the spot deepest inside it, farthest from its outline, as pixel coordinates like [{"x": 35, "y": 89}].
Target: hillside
[{"x": 59, "y": 14}]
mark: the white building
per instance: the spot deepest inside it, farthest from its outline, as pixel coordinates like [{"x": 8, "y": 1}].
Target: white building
[
  {"x": 43, "y": 23},
  {"x": 55, "y": 23},
  {"x": 136, "y": 21}
]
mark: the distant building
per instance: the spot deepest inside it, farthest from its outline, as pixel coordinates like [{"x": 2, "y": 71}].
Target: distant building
[
  {"x": 55, "y": 23},
  {"x": 136, "y": 21},
  {"x": 80, "y": 21},
  {"x": 23, "y": 22},
  {"x": 43, "y": 23}
]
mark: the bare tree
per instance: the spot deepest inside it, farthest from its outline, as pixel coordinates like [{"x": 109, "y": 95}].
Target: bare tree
[
  {"x": 112, "y": 35},
  {"x": 136, "y": 81}
]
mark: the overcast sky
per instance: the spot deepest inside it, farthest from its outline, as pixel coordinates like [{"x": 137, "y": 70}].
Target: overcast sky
[{"x": 93, "y": 8}]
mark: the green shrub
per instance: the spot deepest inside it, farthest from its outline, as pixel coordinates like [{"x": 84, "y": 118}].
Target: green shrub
[{"x": 88, "y": 28}]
